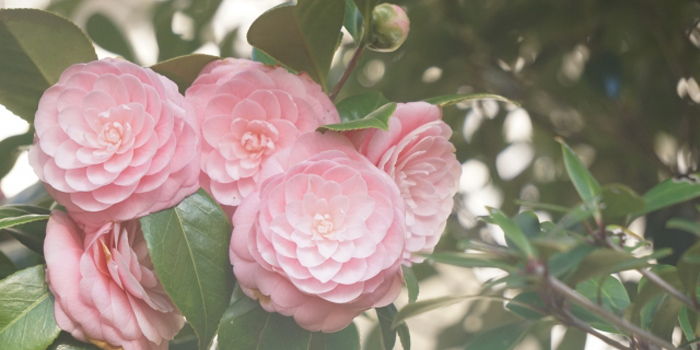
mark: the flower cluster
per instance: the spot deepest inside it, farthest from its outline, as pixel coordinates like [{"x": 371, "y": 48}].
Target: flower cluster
[{"x": 322, "y": 221}]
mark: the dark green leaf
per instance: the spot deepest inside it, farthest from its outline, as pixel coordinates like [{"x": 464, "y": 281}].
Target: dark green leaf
[
  {"x": 419, "y": 307},
  {"x": 618, "y": 201},
  {"x": 7, "y": 267},
  {"x": 390, "y": 328},
  {"x": 648, "y": 292},
  {"x": 11, "y": 147},
  {"x": 66, "y": 342},
  {"x": 530, "y": 298},
  {"x": 346, "y": 339},
  {"x": 512, "y": 231},
  {"x": 670, "y": 192},
  {"x": 27, "y": 320},
  {"x": 664, "y": 318},
  {"x": 21, "y": 220},
  {"x": 685, "y": 225},
  {"x": 449, "y": 100},
  {"x": 359, "y": 106},
  {"x": 184, "y": 70},
  {"x": 365, "y": 7},
  {"x": 379, "y": 119},
  {"x": 472, "y": 260},
  {"x": 409, "y": 277},
  {"x": 606, "y": 261},
  {"x": 574, "y": 339},
  {"x": 687, "y": 328},
  {"x": 186, "y": 339},
  {"x": 32, "y": 233},
  {"x": 105, "y": 33},
  {"x": 353, "y": 21},
  {"x": 561, "y": 264},
  {"x": 501, "y": 338},
  {"x": 259, "y": 56},
  {"x": 585, "y": 184},
  {"x": 689, "y": 268},
  {"x": 528, "y": 223},
  {"x": 303, "y": 37},
  {"x": 35, "y": 48},
  {"x": 189, "y": 247},
  {"x": 607, "y": 292},
  {"x": 227, "y": 44}
]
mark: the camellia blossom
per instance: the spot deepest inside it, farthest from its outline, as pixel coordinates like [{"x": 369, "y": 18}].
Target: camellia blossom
[
  {"x": 105, "y": 289},
  {"x": 248, "y": 111},
  {"x": 115, "y": 141},
  {"x": 417, "y": 154},
  {"x": 323, "y": 238}
]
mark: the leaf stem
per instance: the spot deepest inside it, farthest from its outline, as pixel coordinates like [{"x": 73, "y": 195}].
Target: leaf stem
[{"x": 348, "y": 70}]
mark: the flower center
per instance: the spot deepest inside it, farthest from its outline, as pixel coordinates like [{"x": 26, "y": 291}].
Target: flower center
[
  {"x": 257, "y": 144},
  {"x": 112, "y": 133},
  {"x": 323, "y": 224}
]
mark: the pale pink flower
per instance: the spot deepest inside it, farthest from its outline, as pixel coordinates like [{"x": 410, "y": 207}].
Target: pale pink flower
[
  {"x": 249, "y": 111},
  {"x": 417, "y": 154},
  {"x": 105, "y": 289},
  {"x": 115, "y": 141},
  {"x": 323, "y": 238}
]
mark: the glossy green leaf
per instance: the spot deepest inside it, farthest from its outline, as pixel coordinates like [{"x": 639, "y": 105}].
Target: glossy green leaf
[
  {"x": 586, "y": 185},
  {"x": 27, "y": 319},
  {"x": 409, "y": 278},
  {"x": 472, "y": 260},
  {"x": 689, "y": 268},
  {"x": 670, "y": 192},
  {"x": 105, "y": 33},
  {"x": 528, "y": 223},
  {"x": 449, "y": 100},
  {"x": 512, "y": 231},
  {"x": 360, "y": 105},
  {"x": 686, "y": 326},
  {"x": 189, "y": 247},
  {"x": 619, "y": 201},
  {"x": 66, "y": 342},
  {"x": 35, "y": 48},
  {"x": 353, "y": 21},
  {"x": 183, "y": 70},
  {"x": 685, "y": 225},
  {"x": 186, "y": 339},
  {"x": 607, "y": 292},
  {"x": 378, "y": 119},
  {"x": 31, "y": 233},
  {"x": 11, "y": 147},
  {"x": 259, "y": 56},
  {"x": 21, "y": 220},
  {"x": 346, "y": 339},
  {"x": 390, "y": 329},
  {"x": 7, "y": 267},
  {"x": 303, "y": 37},
  {"x": 530, "y": 298},
  {"x": 606, "y": 261},
  {"x": 501, "y": 338}
]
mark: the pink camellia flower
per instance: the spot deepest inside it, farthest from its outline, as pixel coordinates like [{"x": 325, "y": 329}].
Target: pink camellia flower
[
  {"x": 249, "y": 111},
  {"x": 417, "y": 154},
  {"x": 115, "y": 141},
  {"x": 323, "y": 238},
  {"x": 105, "y": 289}
]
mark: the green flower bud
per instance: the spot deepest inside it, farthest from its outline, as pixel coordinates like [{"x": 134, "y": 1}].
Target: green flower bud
[{"x": 390, "y": 26}]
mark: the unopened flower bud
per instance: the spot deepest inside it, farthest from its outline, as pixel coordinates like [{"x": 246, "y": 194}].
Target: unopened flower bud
[{"x": 390, "y": 26}]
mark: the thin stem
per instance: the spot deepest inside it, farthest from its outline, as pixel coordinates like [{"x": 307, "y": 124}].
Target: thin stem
[
  {"x": 574, "y": 321},
  {"x": 622, "y": 323},
  {"x": 348, "y": 70}
]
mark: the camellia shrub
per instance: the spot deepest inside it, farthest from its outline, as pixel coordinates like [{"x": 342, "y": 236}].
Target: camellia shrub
[{"x": 225, "y": 203}]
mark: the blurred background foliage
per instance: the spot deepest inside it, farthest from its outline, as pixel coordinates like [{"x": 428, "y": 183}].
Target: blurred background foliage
[{"x": 615, "y": 79}]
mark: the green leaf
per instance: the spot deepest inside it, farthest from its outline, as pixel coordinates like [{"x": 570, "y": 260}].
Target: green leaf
[
  {"x": 528, "y": 223},
  {"x": 687, "y": 328},
  {"x": 389, "y": 328},
  {"x": 607, "y": 292},
  {"x": 21, "y": 220},
  {"x": 11, "y": 147},
  {"x": 360, "y": 105},
  {"x": 648, "y": 292},
  {"x": 353, "y": 21},
  {"x": 513, "y": 232},
  {"x": 35, "y": 48},
  {"x": 501, "y": 338},
  {"x": 27, "y": 320},
  {"x": 606, "y": 261},
  {"x": 473, "y": 260},
  {"x": 585, "y": 184},
  {"x": 378, "y": 119},
  {"x": 31, "y": 233},
  {"x": 409, "y": 277},
  {"x": 561, "y": 264},
  {"x": 689, "y": 268},
  {"x": 419, "y": 307},
  {"x": 259, "y": 56},
  {"x": 105, "y": 33},
  {"x": 7, "y": 267},
  {"x": 66, "y": 342},
  {"x": 346, "y": 339},
  {"x": 574, "y": 339},
  {"x": 449, "y": 100},
  {"x": 303, "y": 37},
  {"x": 685, "y": 225},
  {"x": 189, "y": 247},
  {"x": 664, "y": 318},
  {"x": 619, "y": 201},
  {"x": 530, "y": 298},
  {"x": 183, "y": 70},
  {"x": 670, "y": 192}
]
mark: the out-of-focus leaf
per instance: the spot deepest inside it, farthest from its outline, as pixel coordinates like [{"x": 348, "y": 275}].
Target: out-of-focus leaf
[
  {"x": 390, "y": 328},
  {"x": 561, "y": 264},
  {"x": 409, "y": 277},
  {"x": 647, "y": 292},
  {"x": 670, "y": 192},
  {"x": 183, "y": 70},
  {"x": 365, "y": 7},
  {"x": 530, "y": 298},
  {"x": 353, "y": 21},
  {"x": 664, "y": 318},
  {"x": 449, "y": 100},
  {"x": 189, "y": 247},
  {"x": 7, "y": 267},
  {"x": 27, "y": 319},
  {"x": 227, "y": 44},
  {"x": 502, "y": 338},
  {"x": 105, "y": 33},
  {"x": 66, "y": 342},
  {"x": 186, "y": 339},
  {"x": 378, "y": 119},
  {"x": 607, "y": 292},
  {"x": 35, "y": 48},
  {"x": 528, "y": 223},
  {"x": 585, "y": 184},
  {"x": 359, "y": 106},
  {"x": 259, "y": 56},
  {"x": 303, "y": 37},
  {"x": 685, "y": 225},
  {"x": 618, "y": 201},
  {"x": 574, "y": 339},
  {"x": 31, "y": 233},
  {"x": 606, "y": 261},
  {"x": 687, "y": 328},
  {"x": 472, "y": 260},
  {"x": 35, "y": 194},
  {"x": 689, "y": 268},
  {"x": 346, "y": 339},
  {"x": 512, "y": 231},
  {"x": 11, "y": 148},
  {"x": 419, "y": 307}
]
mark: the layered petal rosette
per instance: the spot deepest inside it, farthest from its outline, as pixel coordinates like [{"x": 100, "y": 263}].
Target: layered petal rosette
[
  {"x": 323, "y": 238},
  {"x": 106, "y": 291},
  {"x": 115, "y": 141},
  {"x": 249, "y": 111},
  {"x": 417, "y": 154}
]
